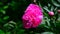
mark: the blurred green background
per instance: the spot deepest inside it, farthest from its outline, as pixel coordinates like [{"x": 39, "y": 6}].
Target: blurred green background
[{"x": 11, "y": 12}]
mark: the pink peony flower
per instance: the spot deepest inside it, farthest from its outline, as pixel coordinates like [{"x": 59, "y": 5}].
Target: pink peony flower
[
  {"x": 51, "y": 13},
  {"x": 32, "y": 16}
]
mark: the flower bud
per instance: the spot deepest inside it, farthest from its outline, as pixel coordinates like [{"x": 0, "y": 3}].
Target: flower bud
[
  {"x": 58, "y": 11},
  {"x": 51, "y": 13}
]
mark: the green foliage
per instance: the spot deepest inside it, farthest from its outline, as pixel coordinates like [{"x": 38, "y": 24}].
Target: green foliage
[
  {"x": 6, "y": 17},
  {"x": 11, "y": 12},
  {"x": 1, "y": 32},
  {"x": 47, "y": 33}
]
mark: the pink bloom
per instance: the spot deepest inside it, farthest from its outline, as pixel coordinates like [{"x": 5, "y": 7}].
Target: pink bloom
[
  {"x": 51, "y": 13},
  {"x": 32, "y": 16}
]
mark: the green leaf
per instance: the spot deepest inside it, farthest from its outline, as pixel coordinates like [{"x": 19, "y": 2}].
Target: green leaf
[
  {"x": 58, "y": 19},
  {"x": 12, "y": 22},
  {"x": 58, "y": 0},
  {"x": 3, "y": 11},
  {"x": 8, "y": 33},
  {"x": 1, "y": 20},
  {"x": 8, "y": 26},
  {"x": 5, "y": 24},
  {"x": 21, "y": 31},
  {"x": 49, "y": 5},
  {"x": 47, "y": 33},
  {"x": 52, "y": 8},
  {"x": 11, "y": 25},
  {"x": 55, "y": 3},
  {"x": 6, "y": 17},
  {"x": 1, "y": 3},
  {"x": 5, "y": 7},
  {"x": 46, "y": 8},
  {"x": 55, "y": 9},
  {"x": 1, "y": 32},
  {"x": 12, "y": 3}
]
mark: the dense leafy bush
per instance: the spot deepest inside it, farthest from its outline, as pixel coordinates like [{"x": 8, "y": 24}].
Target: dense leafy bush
[{"x": 11, "y": 12}]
